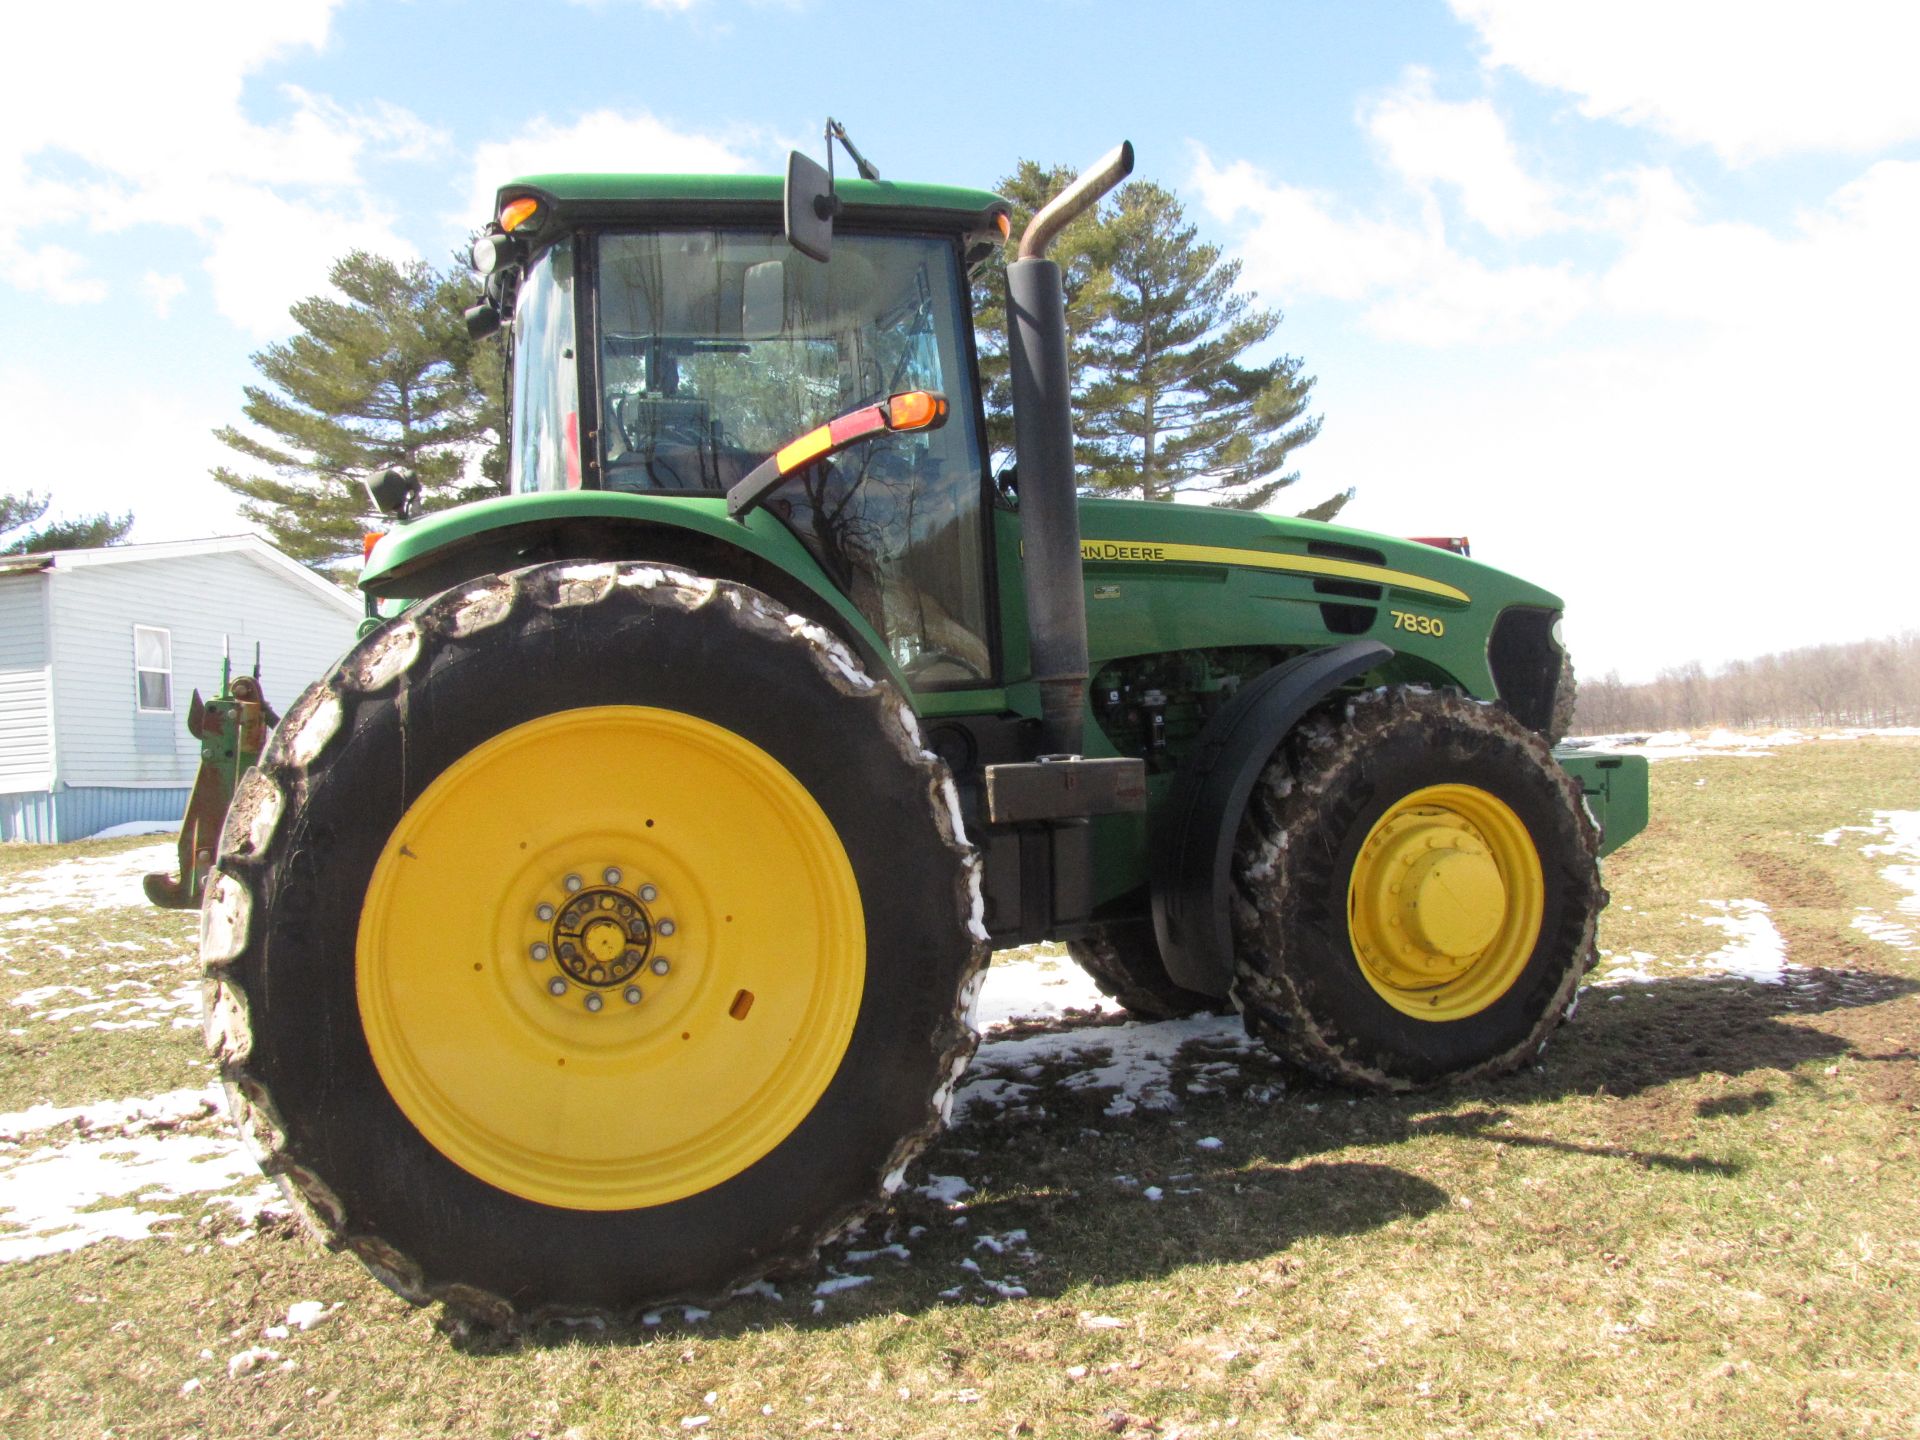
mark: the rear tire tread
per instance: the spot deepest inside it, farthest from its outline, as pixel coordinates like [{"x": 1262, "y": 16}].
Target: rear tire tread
[{"x": 253, "y": 840}]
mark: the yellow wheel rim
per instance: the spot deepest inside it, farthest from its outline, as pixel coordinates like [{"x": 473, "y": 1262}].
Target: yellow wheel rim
[
  {"x": 1445, "y": 903},
  {"x": 610, "y": 958}
]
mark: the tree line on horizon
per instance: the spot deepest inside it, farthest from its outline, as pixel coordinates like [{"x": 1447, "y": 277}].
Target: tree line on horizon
[
  {"x": 1862, "y": 682},
  {"x": 383, "y": 372}
]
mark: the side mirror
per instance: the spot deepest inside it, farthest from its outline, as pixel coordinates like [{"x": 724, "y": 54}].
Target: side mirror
[
  {"x": 395, "y": 492},
  {"x": 810, "y": 207}
]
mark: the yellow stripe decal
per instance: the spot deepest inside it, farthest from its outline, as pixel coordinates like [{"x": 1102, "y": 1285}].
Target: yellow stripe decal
[{"x": 1147, "y": 552}]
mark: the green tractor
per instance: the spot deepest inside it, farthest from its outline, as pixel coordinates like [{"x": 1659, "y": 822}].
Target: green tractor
[{"x": 604, "y": 929}]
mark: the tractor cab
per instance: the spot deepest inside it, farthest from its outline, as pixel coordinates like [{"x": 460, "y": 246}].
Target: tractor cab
[{"x": 653, "y": 356}]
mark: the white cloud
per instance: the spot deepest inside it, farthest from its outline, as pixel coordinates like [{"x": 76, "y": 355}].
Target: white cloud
[
  {"x": 1748, "y": 78},
  {"x": 1730, "y": 472},
  {"x": 602, "y": 141},
  {"x": 159, "y": 134},
  {"x": 269, "y": 252},
  {"x": 50, "y": 270},
  {"x": 1419, "y": 289},
  {"x": 1463, "y": 145},
  {"x": 161, "y": 291}
]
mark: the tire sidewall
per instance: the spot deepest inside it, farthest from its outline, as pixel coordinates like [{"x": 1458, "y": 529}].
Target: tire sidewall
[
  {"x": 757, "y": 680},
  {"x": 1310, "y": 935}
]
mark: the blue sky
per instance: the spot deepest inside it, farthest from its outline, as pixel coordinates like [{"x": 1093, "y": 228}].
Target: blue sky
[{"x": 1623, "y": 290}]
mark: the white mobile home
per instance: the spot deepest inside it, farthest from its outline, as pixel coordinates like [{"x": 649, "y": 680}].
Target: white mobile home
[{"x": 101, "y": 650}]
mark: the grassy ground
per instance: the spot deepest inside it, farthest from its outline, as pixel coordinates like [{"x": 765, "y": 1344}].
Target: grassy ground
[{"x": 1697, "y": 1217}]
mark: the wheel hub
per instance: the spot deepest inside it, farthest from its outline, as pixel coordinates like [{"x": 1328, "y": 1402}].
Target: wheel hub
[
  {"x": 1444, "y": 903},
  {"x": 598, "y": 938}
]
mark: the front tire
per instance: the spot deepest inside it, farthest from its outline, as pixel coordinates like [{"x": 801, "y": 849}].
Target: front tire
[
  {"x": 1417, "y": 889},
  {"x": 558, "y": 960}
]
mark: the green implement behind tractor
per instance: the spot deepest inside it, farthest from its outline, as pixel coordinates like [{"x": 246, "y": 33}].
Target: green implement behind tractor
[{"x": 604, "y": 930}]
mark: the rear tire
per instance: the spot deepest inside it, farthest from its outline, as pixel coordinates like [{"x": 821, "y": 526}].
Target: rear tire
[
  {"x": 1123, "y": 959},
  {"x": 730, "y": 1052},
  {"x": 1416, "y": 893}
]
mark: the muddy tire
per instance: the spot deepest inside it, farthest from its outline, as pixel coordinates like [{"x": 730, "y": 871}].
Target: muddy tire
[
  {"x": 1416, "y": 891},
  {"x": 560, "y": 957},
  {"x": 1566, "y": 699},
  {"x": 1123, "y": 959}
]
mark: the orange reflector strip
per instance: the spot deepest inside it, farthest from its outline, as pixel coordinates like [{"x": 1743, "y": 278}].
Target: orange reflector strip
[
  {"x": 915, "y": 410},
  {"x": 370, "y": 539},
  {"x": 1005, "y": 222},
  {"x": 808, "y": 447},
  {"x": 516, "y": 213}
]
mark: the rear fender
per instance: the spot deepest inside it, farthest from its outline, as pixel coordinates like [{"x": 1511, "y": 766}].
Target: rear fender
[{"x": 441, "y": 550}]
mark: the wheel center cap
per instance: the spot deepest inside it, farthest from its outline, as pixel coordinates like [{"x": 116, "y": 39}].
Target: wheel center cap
[
  {"x": 1453, "y": 901},
  {"x": 604, "y": 940}
]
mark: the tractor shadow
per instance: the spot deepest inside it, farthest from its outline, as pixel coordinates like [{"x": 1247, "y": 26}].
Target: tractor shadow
[{"x": 1061, "y": 1196}]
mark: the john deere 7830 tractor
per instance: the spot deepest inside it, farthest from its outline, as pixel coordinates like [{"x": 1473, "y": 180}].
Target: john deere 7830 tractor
[{"x": 604, "y": 929}]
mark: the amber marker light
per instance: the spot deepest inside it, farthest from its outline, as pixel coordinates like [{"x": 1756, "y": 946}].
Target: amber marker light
[
  {"x": 916, "y": 410},
  {"x": 368, "y": 540},
  {"x": 516, "y": 213}
]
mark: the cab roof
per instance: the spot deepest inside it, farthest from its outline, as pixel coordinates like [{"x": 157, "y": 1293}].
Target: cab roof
[{"x": 684, "y": 196}]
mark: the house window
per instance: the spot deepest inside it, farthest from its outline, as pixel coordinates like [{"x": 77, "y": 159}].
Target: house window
[{"x": 153, "y": 668}]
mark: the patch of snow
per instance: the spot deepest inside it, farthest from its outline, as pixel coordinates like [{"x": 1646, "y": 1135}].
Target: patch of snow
[
  {"x": 92, "y": 882},
  {"x": 1209, "y": 1142},
  {"x": 137, "y": 827},
  {"x": 308, "y": 1314},
  {"x": 250, "y": 1360},
  {"x": 1030, "y": 985},
  {"x": 1878, "y": 927},
  {"x": 861, "y": 1257},
  {"x": 1756, "y": 951},
  {"x": 1134, "y": 1060},
  {"x": 948, "y": 1190},
  {"x": 45, "y": 1193},
  {"x": 833, "y": 1285},
  {"x": 170, "y": 1107},
  {"x": 1633, "y": 968}
]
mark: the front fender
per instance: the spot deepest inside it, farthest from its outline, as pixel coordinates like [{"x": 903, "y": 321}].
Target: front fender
[{"x": 1193, "y": 836}]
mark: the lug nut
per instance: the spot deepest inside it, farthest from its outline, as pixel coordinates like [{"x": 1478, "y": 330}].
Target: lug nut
[
  {"x": 665, "y": 927},
  {"x": 543, "y": 911},
  {"x": 594, "y": 1002},
  {"x": 632, "y": 994},
  {"x": 649, "y": 894},
  {"x": 572, "y": 882},
  {"x": 556, "y": 986},
  {"x": 660, "y": 965},
  {"x": 540, "y": 952},
  {"x": 613, "y": 874}
]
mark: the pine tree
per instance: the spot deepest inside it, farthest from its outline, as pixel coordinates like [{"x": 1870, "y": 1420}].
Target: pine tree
[
  {"x": 1163, "y": 404},
  {"x": 389, "y": 376},
  {"x": 1029, "y": 187},
  {"x": 23, "y": 512},
  {"x": 1171, "y": 408}
]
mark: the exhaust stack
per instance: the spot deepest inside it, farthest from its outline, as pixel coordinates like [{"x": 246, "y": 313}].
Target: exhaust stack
[{"x": 1043, "y": 440}]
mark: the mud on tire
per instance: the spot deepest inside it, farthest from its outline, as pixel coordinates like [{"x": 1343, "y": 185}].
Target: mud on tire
[
  {"x": 504, "y": 666},
  {"x": 1334, "y": 784}
]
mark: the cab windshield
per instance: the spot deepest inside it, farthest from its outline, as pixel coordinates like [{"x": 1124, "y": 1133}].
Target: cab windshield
[{"x": 716, "y": 347}]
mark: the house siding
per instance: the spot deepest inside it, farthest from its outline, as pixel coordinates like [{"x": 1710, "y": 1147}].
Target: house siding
[
  {"x": 103, "y": 739},
  {"x": 48, "y": 817},
  {"x": 26, "y": 728}
]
